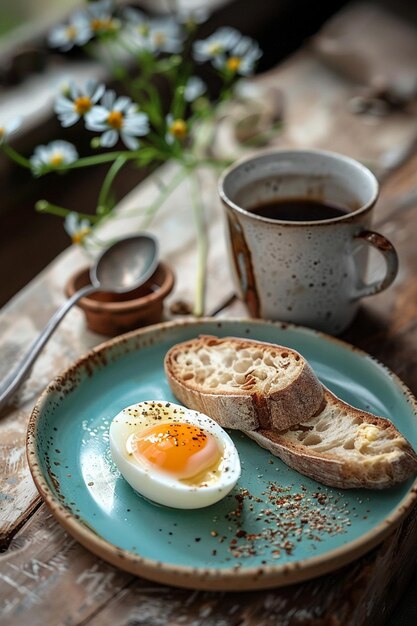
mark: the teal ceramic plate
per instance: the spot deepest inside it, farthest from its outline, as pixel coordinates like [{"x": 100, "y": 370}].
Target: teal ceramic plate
[{"x": 277, "y": 527}]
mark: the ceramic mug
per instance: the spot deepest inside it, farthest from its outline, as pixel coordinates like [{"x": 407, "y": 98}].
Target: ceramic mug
[{"x": 307, "y": 272}]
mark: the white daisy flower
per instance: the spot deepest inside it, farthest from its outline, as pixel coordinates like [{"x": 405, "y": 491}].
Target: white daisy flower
[
  {"x": 216, "y": 45},
  {"x": 154, "y": 35},
  {"x": 194, "y": 88},
  {"x": 70, "y": 108},
  {"x": 77, "y": 228},
  {"x": 177, "y": 129},
  {"x": 134, "y": 17},
  {"x": 76, "y": 33},
  {"x": 165, "y": 36},
  {"x": 8, "y": 128},
  {"x": 241, "y": 58},
  {"x": 52, "y": 156},
  {"x": 101, "y": 18},
  {"x": 117, "y": 116},
  {"x": 229, "y": 50},
  {"x": 190, "y": 18}
]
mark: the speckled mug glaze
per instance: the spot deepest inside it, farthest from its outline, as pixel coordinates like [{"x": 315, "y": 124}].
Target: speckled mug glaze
[{"x": 309, "y": 272}]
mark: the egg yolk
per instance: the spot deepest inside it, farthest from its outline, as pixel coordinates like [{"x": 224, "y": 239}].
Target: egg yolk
[{"x": 179, "y": 449}]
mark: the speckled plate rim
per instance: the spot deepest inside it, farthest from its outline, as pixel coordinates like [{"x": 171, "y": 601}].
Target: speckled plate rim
[{"x": 231, "y": 579}]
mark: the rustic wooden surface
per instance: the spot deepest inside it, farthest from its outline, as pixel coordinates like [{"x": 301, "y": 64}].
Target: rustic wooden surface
[{"x": 46, "y": 578}]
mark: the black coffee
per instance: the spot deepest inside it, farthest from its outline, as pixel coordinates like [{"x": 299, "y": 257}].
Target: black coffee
[{"x": 297, "y": 210}]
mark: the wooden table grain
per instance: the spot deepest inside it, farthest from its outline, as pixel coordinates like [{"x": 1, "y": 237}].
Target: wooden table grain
[{"x": 46, "y": 577}]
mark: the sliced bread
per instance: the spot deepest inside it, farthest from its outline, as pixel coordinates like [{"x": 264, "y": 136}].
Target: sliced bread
[
  {"x": 343, "y": 447},
  {"x": 271, "y": 393},
  {"x": 246, "y": 384}
]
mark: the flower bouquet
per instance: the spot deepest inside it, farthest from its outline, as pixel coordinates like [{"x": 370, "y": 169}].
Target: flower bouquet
[{"x": 138, "y": 124}]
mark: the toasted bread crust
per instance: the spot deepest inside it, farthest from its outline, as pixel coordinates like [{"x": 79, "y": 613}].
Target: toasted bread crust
[
  {"x": 247, "y": 407},
  {"x": 345, "y": 473},
  {"x": 303, "y": 423},
  {"x": 335, "y": 472}
]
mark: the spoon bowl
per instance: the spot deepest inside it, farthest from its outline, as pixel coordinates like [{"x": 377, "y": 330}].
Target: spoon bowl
[
  {"x": 126, "y": 265},
  {"x": 122, "y": 267}
]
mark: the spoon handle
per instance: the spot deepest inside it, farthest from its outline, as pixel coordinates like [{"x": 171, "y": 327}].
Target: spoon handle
[{"x": 13, "y": 381}]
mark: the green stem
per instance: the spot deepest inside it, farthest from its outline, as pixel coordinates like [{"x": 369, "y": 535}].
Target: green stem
[
  {"x": 163, "y": 195},
  {"x": 43, "y": 206},
  {"x": 179, "y": 103},
  {"x": 128, "y": 155},
  {"x": 16, "y": 157},
  {"x": 202, "y": 246},
  {"x": 216, "y": 163},
  {"x": 100, "y": 158},
  {"x": 103, "y": 52},
  {"x": 107, "y": 183}
]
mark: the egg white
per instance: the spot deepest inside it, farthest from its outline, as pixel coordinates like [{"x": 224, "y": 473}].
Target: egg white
[{"x": 159, "y": 486}]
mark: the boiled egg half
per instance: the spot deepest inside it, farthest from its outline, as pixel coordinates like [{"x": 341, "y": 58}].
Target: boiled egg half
[{"x": 173, "y": 455}]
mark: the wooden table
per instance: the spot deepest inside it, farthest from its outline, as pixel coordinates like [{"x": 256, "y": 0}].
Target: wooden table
[{"x": 46, "y": 578}]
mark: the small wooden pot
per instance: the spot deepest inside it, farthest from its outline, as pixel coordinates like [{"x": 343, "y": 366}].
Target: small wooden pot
[{"x": 112, "y": 314}]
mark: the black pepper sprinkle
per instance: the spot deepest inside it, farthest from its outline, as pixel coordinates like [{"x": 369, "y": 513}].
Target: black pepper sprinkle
[{"x": 285, "y": 519}]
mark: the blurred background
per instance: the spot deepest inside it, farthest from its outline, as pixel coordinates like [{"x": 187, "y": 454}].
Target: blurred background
[
  {"x": 20, "y": 12},
  {"x": 349, "y": 38},
  {"x": 29, "y": 72}
]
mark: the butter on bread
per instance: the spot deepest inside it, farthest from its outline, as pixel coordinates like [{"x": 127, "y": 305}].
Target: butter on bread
[
  {"x": 271, "y": 393},
  {"x": 343, "y": 447}
]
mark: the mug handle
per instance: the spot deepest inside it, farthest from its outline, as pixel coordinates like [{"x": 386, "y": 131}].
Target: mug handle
[{"x": 389, "y": 253}]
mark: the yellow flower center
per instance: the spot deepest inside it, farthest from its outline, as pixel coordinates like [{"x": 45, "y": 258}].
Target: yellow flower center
[
  {"x": 178, "y": 128},
  {"x": 160, "y": 39},
  {"x": 80, "y": 235},
  {"x": 56, "y": 159},
  {"x": 143, "y": 30},
  {"x": 71, "y": 32},
  {"x": 215, "y": 48},
  {"x": 2, "y": 132},
  {"x": 103, "y": 24},
  {"x": 115, "y": 119},
  {"x": 233, "y": 64},
  {"x": 82, "y": 105},
  {"x": 190, "y": 23}
]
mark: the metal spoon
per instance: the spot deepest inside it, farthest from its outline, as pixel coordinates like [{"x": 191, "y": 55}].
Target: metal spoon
[{"x": 122, "y": 267}]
